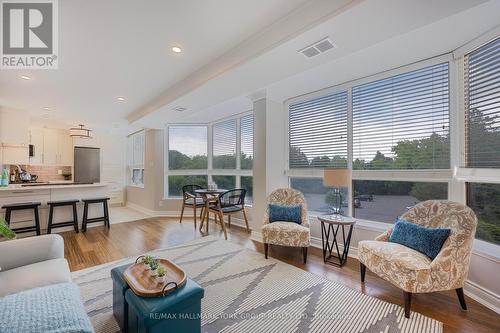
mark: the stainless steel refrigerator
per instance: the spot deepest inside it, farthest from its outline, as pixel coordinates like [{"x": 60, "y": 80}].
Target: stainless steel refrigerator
[{"x": 87, "y": 165}]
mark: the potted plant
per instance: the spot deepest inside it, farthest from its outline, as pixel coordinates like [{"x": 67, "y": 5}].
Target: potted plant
[
  {"x": 5, "y": 230},
  {"x": 162, "y": 274},
  {"x": 153, "y": 266},
  {"x": 146, "y": 260},
  {"x": 67, "y": 175}
]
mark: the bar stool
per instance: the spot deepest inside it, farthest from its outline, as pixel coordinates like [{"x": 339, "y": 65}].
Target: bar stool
[
  {"x": 23, "y": 206},
  {"x": 62, "y": 203},
  {"x": 86, "y": 219}
]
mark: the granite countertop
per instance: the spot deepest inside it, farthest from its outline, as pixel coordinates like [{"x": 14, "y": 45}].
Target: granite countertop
[{"x": 48, "y": 186}]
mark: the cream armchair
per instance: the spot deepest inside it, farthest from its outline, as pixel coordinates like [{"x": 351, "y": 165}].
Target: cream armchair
[
  {"x": 286, "y": 233},
  {"x": 413, "y": 271}
]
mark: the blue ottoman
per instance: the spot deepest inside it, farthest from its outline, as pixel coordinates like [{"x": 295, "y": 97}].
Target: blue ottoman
[
  {"x": 180, "y": 311},
  {"x": 120, "y": 306}
]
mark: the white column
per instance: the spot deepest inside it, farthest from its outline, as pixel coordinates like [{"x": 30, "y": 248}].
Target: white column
[{"x": 269, "y": 153}]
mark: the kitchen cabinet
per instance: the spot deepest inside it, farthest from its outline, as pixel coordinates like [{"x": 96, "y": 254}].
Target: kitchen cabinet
[
  {"x": 13, "y": 154},
  {"x": 52, "y": 147}
]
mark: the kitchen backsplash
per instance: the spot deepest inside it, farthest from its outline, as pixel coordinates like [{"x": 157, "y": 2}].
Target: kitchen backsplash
[{"x": 46, "y": 173}]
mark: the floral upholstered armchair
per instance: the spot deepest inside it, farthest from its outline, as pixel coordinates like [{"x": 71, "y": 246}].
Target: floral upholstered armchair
[
  {"x": 286, "y": 233},
  {"x": 413, "y": 271}
]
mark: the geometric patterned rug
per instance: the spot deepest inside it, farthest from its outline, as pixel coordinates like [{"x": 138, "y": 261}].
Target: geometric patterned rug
[{"x": 245, "y": 293}]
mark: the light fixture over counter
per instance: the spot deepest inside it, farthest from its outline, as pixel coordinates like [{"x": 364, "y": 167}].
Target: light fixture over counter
[{"x": 80, "y": 132}]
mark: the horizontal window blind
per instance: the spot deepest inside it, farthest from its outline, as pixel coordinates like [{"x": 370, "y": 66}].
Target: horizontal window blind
[
  {"x": 246, "y": 127},
  {"x": 136, "y": 149},
  {"x": 402, "y": 122},
  {"x": 318, "y": 132},
  {"x": 224, "y": 145},
  {"x": 482, "y": 106}
]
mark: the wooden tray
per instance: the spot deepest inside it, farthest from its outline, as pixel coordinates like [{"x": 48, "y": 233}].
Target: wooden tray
[{"x": 141, "y": 282}]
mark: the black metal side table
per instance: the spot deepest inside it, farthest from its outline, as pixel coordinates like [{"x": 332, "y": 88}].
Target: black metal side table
[{"x": 330, "y": 225}]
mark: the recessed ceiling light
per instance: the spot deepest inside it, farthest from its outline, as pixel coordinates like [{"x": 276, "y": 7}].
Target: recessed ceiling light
[
  {"x": 180, "y": 109},
  {"x": 25, "y": 77},
  {"x": 121, "y": 99},
  {"x": 176, "y": 49},
  {"x": 46, "y": 108}
]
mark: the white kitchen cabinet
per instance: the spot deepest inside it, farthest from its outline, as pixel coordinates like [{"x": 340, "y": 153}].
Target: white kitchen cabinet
[
  {"x": 65, "y": 148},
  {"x": 36, "y": 139},
  {"x": 50, "y": 146},
  {"x": 13, "y": 154}
]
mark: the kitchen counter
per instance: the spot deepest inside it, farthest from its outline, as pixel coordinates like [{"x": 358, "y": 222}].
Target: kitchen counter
[{"x": 48, "y": 186}]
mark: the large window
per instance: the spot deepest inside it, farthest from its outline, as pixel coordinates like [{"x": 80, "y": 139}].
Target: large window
[
  {"x": 187, "y": 147},
  {"x": 231, "y": 157},
  {"x": 318, "y": 132},
  {"x": 224, "y": 145},
  {"x": 482, "y": 106},
  {"x": 384, "y": 201},
  {"x": 402, "y": 122},
  {"x": 319, "y": 199},
  {"x": 484, "y": 199},
  {"x": 135, "y": 160}
]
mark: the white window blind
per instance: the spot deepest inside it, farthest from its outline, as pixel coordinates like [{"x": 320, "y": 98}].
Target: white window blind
[
  {"x": 402, "y": 122},
  {"x": 136, "y": 151},
  {"x": 246, "y": 142},
  {"x": 224, "y": 145},
  {"x": 318, "y": 132},
  {"x": 482, "y": 106}
]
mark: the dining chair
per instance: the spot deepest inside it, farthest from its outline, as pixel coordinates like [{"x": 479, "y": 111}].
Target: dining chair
[
  {"x": 191, "y": 199},
  {"x": 227, "y": 204}
]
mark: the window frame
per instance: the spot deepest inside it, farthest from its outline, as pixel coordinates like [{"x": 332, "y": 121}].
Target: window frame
[
  {"x": 132, "y": 166},
  {"x": 210, "y": 171}
]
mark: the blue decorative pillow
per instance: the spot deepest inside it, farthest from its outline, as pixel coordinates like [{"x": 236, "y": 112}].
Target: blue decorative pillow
[
  {"x": 281, "y": 213},
  {"x": 425, "y": 240}
]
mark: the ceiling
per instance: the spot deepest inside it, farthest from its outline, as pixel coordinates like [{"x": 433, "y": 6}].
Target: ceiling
[
  {"x": 122, "y": 48},
  {"x": 231, "y": 50}
]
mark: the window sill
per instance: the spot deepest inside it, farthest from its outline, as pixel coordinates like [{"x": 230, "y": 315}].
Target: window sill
[{"x": 135, "y": 186}]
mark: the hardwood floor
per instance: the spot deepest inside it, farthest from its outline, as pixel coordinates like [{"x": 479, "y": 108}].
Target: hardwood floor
[{"x": 100, "y": 245}]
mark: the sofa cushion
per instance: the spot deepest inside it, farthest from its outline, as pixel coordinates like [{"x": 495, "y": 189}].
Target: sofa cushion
[
  {"x": 52, "y": 309},
  {"x": 428, "y": 241},
  {"x": 404, "y": 267},
  {"x": 35, "y": 275},
  {"x": 286, "y": 234}
]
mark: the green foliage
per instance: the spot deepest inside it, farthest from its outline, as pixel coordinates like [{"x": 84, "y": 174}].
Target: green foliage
[
  {"x": 162, "y": 271},
  {"x": 175, "y": 183},
  {"x": 180, "y": 161},
  {"x": 5, "y": 230},
  {"x": 246, "y": 162},
  {"x": 484, "y": 138},
  {"x": 427, "y": 191},
  {"x": 225, "y": 182}
]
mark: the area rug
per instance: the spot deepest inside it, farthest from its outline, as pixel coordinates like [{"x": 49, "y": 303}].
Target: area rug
[{"x": 246, "y": 293}]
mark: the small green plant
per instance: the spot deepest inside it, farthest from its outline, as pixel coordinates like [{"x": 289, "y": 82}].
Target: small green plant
[
  {"x": 5, "y": 230},
  {"x": 153, "y": 265},
  {"x": 162, "y": 271}
]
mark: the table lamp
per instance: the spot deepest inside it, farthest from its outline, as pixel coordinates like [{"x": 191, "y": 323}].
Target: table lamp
[{"x": 337, "y": 178}]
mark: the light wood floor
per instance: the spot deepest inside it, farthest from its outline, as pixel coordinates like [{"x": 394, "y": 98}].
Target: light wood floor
[{"x": 99, "y": 245}]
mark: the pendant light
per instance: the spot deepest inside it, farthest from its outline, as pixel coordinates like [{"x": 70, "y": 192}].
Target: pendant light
[{"x": 80, "y": 132}]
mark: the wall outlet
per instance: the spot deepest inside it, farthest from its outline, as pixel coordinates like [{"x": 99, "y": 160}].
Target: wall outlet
[{"x": 59, "y": 172}]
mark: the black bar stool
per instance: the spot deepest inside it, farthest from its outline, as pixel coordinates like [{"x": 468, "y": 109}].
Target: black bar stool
[
  {"x": 23, "y": 206},
  {"x": 62, "y": 203},
  {"x": 86, "y": 219}
]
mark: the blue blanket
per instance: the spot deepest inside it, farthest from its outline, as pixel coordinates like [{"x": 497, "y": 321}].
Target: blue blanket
[{"x": 52, "y": 309}]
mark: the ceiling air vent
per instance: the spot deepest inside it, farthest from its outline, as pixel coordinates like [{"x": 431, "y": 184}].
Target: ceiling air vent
[
  {"x": 319, "y": 47},
  {"x": 180, "y": 109}
]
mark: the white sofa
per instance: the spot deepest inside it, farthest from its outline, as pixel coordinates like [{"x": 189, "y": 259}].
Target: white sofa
[{"x": 32, "y": 262}]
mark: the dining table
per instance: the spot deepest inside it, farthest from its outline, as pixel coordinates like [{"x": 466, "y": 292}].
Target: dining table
[{"x": 208, "y": 195}]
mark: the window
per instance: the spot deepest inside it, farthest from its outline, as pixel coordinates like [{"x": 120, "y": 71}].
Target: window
[
  {"x": 175, "y": 183},
  {"x": 189, "y": 159},
  {"x": 402, "y": 122},
  {"x": 224, "y": 145},
  {"x": 385, "y": 201},
  {"x": 320, "y": 199},
  {"x": 246, "y": 142},
  {"x": 247, "y": 184},
  {"x": 187, "y": 147},
  {"x": 482, "y": 106},
  {"x": 484, "y": 200},
  {"x": 135, "y": 165},
  {"x": 318, "y": 132}
]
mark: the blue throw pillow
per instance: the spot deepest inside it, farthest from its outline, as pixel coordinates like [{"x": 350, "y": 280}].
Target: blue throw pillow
[
  {"x": 291, "y": 213},
  {"x": 425, "y": 240}
]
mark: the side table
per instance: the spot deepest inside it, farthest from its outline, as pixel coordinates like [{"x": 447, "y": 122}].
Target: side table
[{"x": 330, "y": 227}]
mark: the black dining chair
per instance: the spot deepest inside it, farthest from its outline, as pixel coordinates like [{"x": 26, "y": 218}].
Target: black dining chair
[
  {"x": 191, "y": 199},
  {"x": 229, "y": 203}
]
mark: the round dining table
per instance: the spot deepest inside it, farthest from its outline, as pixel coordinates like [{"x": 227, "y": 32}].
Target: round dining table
[{"x": 208, "y": 196}]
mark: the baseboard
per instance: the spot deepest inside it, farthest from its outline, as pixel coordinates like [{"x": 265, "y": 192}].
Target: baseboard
[
  {"x": 152, "y": 213},
  {"x": 481, "y": 295}
]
